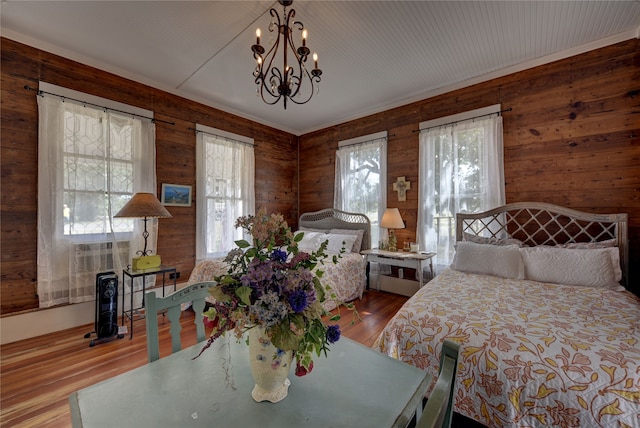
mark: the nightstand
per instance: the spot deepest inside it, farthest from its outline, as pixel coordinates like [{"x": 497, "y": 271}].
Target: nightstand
[
  {"x": 417, "y": 261},
  {"x": 132, "y": 274}
]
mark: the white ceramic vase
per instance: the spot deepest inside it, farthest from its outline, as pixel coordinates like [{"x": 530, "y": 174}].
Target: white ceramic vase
[{"x": 269, "y": 366}]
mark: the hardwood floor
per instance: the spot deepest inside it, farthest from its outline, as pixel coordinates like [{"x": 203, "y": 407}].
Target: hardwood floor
[{"x": 38, "y": 375}]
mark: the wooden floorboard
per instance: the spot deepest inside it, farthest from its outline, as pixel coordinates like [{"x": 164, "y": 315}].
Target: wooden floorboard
[{"x": 38, "y": 375}]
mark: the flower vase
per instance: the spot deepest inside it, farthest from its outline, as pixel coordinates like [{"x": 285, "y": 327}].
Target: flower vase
[{"x": 270, "y": 367}]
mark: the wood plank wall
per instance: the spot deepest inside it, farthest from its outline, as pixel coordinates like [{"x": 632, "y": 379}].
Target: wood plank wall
[
  {"x": 572, "y": 138},
  {"x": 276, "y": 161}
]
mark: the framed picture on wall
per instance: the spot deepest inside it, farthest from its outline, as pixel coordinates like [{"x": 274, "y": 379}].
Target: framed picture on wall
[{"x": 176, "y": 195}]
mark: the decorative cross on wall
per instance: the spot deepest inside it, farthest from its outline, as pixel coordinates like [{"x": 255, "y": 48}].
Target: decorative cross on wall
[{"x": 401, "y": 186}]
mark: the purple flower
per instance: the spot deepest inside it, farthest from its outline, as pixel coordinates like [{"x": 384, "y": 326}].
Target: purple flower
[
  {"x": 279, "y": 255},
  {"x": 268, "y": 310},
  {"x": 333, "y": 333},
  {"x": 298, "y": 301},
  {"x": 299, "y": 258}
]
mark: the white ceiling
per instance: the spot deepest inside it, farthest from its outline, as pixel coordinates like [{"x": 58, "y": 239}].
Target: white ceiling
[{"x": 374, "y": 55}]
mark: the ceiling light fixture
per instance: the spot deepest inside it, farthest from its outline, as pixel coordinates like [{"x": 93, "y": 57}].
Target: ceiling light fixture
[{"x": 290, "y": 81}]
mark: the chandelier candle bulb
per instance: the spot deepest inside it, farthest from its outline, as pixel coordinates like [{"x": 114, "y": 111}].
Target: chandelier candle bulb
[
  {"x": 304, "y": 38},
  {"x": 315, "y": 59},
  {"x": 258, "y": 36}
]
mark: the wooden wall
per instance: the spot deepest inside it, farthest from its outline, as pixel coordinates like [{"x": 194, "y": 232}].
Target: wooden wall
[
  {"x": 572, "y": 138},
  {"x": 276, "y": 161}
]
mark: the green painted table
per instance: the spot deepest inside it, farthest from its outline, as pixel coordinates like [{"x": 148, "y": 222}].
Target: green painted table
[{"x": 353, "y": 387}]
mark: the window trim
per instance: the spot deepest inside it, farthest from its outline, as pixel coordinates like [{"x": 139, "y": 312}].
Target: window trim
[
  {"x": 224, "y": 134},
  {"x": 459, "y": 117},
  {"x": 63, "y": 92},
  {"x": 363, "y": 139}
]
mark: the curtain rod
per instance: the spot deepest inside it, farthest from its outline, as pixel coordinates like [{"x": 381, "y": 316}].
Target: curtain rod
[
  {"x": 499, "y": 113},
  {"x": 40, "y": 92},
  {"x": 365, "y": 142},
  {"x": 220, "y": 136}
]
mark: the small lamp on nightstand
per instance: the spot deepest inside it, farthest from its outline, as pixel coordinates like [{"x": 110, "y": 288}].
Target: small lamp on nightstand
[
  {"x": 392, "y": 220},
  {"x": 144, "y": 205}
]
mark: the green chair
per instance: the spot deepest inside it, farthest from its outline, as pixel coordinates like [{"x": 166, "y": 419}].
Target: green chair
[
  {"x": 194, "y": 293},
  {"x": 439, "y": 408}
]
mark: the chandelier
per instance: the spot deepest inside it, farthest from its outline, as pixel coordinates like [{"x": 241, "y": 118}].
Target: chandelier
[{"x": 293, "y": 81}]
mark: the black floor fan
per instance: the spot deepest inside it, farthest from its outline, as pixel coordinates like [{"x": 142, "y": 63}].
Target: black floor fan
[{"x": 106, "y": 320}]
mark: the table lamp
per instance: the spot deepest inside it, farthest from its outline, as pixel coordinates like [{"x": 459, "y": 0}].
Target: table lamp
[
  {"x": 392, "y": 220},
  {"x": 144, "y": 205}
]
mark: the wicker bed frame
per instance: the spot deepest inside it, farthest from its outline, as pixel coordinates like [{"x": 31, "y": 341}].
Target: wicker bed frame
[
  {"x": 537, "y": 223},
  {"x": 331, "y": 218}
]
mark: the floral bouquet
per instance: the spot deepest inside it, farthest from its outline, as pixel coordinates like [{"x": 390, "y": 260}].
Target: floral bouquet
[{"x": 274, "y": 285}]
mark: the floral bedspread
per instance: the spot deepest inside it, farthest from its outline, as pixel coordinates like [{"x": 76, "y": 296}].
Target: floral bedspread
[
  {"x": 347, "y": 278},
  {"x": 531, "y": 354}
]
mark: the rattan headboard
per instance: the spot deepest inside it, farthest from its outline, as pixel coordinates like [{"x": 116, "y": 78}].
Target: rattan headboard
[
  {"x": 331, "y": 218},
  {"x": 537, "y": 223}
]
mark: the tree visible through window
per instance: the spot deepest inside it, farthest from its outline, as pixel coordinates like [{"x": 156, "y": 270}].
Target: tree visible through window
[
  {"x": 225, "y": 173},
  {"x": 461, "y": 170},
  {"x": 361, "y": 179},
  {"x": 98, "y": 172}
]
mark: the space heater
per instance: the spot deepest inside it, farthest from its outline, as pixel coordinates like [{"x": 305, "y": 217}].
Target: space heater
[{"x": 106, "y": 311}]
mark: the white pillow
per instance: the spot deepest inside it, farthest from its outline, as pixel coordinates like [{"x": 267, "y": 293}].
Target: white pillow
[
  {"x": 337, "y": 241},
  {"x": 311, "y": 241},
  {"x": 496, "y": 260},
  {"x": 310, "y": 229},
  {"x": 581, "y": 267},
  {"x": 590, "y": 245},
  {"x": 493, "y": 241},
  {"x": 359, "y": 233}
]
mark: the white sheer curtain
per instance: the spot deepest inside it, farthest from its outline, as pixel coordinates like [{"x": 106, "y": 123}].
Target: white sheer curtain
[
  {"x": 461, "y": 169},
  {"x": 225, "y": 171},
  {"x": 90, "y": 163},
  {"x": 361, "y": 180}
]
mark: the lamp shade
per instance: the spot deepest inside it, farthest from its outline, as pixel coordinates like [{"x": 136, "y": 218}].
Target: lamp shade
[
  {"x": 143, "y": 205},
  {"x": 392, "y": 219}
]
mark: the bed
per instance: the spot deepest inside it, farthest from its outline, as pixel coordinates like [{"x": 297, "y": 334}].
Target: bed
[
  {"x": 347, "y": 278},
  {"x": 548, "y": 335}
]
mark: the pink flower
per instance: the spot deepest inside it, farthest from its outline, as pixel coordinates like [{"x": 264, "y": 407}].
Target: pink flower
[
  {"x": 301, "y": 370},
  {"x": 210, "y": 323}
]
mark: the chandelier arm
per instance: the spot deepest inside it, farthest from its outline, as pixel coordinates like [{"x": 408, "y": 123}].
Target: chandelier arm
[
  {"x": 275, "y": 100},
  {"x": 274, "y": 71},
  {"x": 306, "y": 100},
  {"x": 294, "y": 76},
  {"x": 290, "y": 16},
  {"x": 274, "y": 14},
  {"x": 266, "y": 66},
  {"x": 268, "y": 59},
  {"x": 314, "y": 78}
]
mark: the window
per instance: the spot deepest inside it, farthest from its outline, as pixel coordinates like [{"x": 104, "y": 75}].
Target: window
[
  {"x": 91, "y": 161},
  {"x": 225, "y": 182},
  {"x": 360, "y": 182},
  {"x": 97, "y": 171},
  {"x": 461, "y": 170}
]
